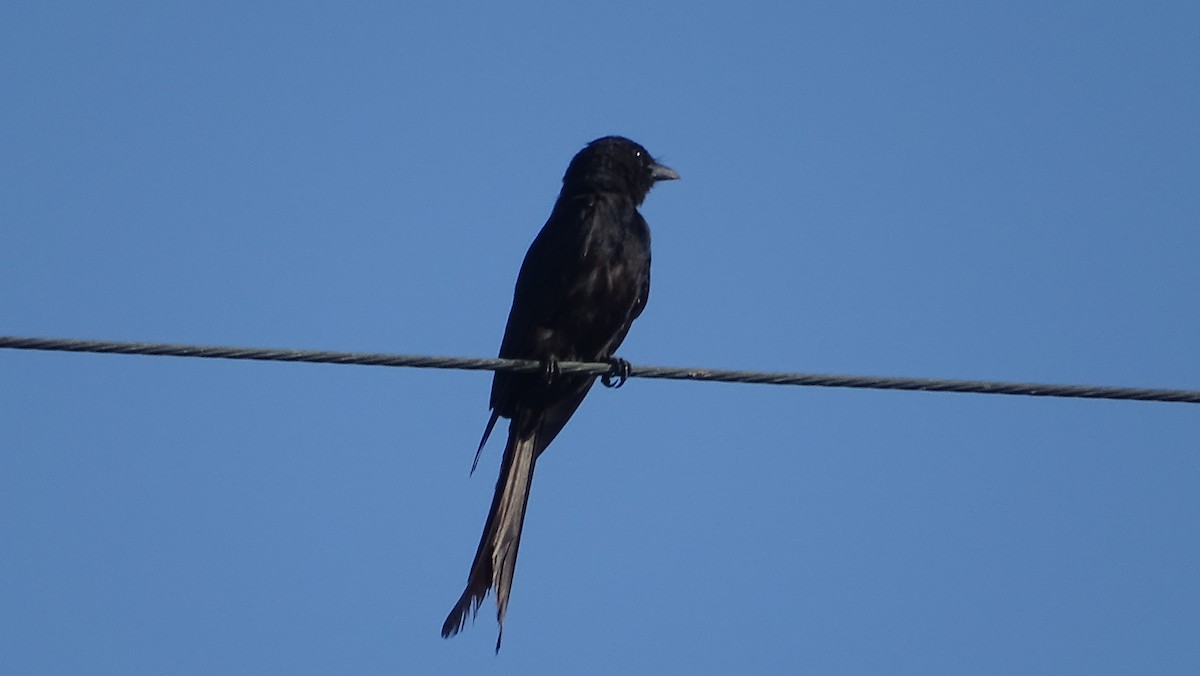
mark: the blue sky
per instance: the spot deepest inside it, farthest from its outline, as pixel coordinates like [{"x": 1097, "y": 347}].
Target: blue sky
[{"x": 961, "y": 190}]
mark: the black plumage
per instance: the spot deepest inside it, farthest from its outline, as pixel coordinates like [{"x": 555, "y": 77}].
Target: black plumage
[{"x": 584, "y": 280}]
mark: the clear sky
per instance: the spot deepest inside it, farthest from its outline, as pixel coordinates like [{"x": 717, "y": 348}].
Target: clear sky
[{"x": 998, "y": 190}]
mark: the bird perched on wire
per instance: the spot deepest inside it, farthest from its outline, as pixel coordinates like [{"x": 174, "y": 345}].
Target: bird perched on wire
[{"x": 584, "y": 280}]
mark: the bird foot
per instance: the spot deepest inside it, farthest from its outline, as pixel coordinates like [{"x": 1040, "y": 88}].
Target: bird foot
[
  {"x": 550, "y": 370},
  {"x": 617, "y": 374}
]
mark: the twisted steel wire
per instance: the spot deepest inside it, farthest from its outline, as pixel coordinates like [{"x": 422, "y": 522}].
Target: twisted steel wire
[{"x": 599, "y": 369}]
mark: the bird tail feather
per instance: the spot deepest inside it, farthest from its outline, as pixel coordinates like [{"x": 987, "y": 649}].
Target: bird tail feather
[{"x": 496, "y": 558}]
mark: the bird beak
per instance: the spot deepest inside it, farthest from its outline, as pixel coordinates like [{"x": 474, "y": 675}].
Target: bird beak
[{"x": 660, "y": 172}]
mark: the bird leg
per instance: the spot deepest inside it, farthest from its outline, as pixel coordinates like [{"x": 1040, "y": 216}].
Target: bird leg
[{"x": 618, "y": 373}]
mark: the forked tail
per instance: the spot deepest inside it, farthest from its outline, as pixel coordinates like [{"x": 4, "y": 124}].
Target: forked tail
[{"x": 496, "y": 557}]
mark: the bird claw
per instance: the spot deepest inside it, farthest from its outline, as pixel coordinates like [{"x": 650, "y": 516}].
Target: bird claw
[
  {"x": 550, "y": 370},
  {"x": 617, "y": 374}
]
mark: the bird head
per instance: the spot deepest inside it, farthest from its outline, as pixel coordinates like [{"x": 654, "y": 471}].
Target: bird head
[{"x": 615, "y": 164}]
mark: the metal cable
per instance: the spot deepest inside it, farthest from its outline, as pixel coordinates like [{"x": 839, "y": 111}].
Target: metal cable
[{"x": 527, "y": 366}]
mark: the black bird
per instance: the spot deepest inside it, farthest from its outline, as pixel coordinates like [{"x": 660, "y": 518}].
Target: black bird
[{"x": 584, "y": 280}]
